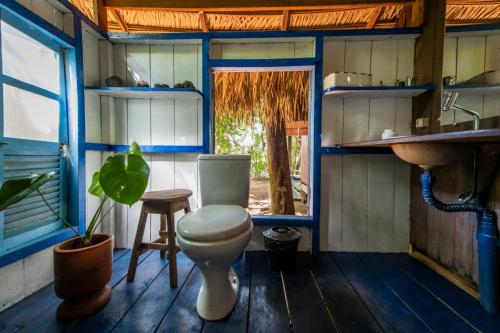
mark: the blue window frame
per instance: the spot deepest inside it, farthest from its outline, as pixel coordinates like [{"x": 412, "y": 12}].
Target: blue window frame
[{"x": 33, "y": 127}]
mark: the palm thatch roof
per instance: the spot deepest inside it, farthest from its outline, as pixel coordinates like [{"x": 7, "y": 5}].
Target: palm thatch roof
[
  {"x": 135, "y": 16},
  {"x": 272, "y": 97}
]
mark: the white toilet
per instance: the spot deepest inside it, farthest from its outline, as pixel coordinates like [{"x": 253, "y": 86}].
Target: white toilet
[{"x": 214, "y": 235}]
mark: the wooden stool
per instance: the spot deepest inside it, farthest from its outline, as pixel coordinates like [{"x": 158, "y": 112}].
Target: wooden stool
[{"x": 165, "y": 203}]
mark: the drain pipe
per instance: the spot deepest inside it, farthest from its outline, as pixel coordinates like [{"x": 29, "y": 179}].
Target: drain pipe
[{"x": 486, "y": 236}]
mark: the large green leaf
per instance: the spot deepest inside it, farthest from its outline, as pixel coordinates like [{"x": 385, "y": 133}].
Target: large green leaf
[
  {"x": 124, "y": 178},
  {"x": 95, "y": 188},
  {"x": 16, "y": 189},
  {"x": 135, "y": 149}
]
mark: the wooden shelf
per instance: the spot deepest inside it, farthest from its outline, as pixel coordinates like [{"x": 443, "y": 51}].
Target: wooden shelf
[
  {"x": 480, "y": 136},
  {"x": 475, "y": 89},
  {"x": 140, "y": 92},
  {"x": 409, "y": 91}
]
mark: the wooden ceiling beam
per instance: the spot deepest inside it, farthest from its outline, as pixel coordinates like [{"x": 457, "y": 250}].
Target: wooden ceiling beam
[
  {"x": 374, "y": 17},
  {"x": 247, "y": 5},
  {"x": 285, "y": 20},
  {"x": 400, "y": 22},
  {"x": 119, "y": 20},
  {"x": 472, "y": 2},
  {"x": 203, "y": 21},
  {"x": 101, "y": 14}
]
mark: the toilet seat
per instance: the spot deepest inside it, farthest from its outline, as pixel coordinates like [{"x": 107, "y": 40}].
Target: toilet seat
[{"x": 214, "y": 223}]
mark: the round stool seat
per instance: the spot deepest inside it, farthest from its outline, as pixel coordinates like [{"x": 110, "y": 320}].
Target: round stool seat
[
  {"x": 166, "y": 195},
  {"x": 214, "y": 222}
]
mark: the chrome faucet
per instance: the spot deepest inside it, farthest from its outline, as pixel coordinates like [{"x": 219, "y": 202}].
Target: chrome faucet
[{"x": 450, "y": 97}]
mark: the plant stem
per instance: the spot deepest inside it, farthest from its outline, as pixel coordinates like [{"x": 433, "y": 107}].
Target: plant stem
[
  {"x": 59, "y": 216},
  {"x": 102, "y": 218}
]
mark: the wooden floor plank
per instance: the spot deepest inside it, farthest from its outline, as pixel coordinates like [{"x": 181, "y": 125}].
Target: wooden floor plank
[
  {"x": 268, "y": 311},
  {"x": 436, "y": 315},
  {"x": 182, "y": 316},
  {"x": 464, "y": 304},
  {"x": 155, "y": 301},
  {"x": 117, "y": 253},
  {"x": 346, "y": 307},
  {"x": 302, "y": 293},
  {"x": 37, "y": 312},
  {"x": 238, "y": 318},
  {"x": 391, "y": 313},
  {"x": 124, "y": 296}
]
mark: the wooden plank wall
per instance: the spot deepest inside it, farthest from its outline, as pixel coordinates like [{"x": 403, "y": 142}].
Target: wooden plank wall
[
  {"x": 464, "y": 58},
  {"x": 24, "y": 277},
  {"x": 365, "y": 198},
  {"x": 449, "y": 238}
]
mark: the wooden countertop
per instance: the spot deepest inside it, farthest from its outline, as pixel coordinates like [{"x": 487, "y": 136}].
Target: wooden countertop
[{"x": 480, "y": 136}]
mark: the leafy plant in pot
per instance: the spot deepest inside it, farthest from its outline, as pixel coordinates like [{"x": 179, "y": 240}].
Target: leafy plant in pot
[{"x": 83, "y": 264}]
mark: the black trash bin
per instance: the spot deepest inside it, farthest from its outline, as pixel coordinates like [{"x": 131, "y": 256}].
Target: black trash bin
[{"x": 281, "y": 244}]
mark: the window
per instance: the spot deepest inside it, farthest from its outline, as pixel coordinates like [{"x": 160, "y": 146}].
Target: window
[{"x": 33, "y": 123}]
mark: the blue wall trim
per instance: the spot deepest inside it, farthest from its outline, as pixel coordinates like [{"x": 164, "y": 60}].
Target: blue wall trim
[
  {"x": 37, "y": 22},
  {"x": 36, "y": 246},
  {"x": 266, "y": 34},
  {"x": 207, "y": 79},
  {"x": 472, "y": 27},
  {"x": 354, "y": 151},
  {"x": 144, "y": 148}
]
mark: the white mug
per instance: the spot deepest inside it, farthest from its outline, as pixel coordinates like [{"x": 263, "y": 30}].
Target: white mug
[{"x": 388, "y": 133}]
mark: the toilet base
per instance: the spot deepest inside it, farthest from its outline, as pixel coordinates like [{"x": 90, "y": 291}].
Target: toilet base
[{"x": 217, "y": 296}]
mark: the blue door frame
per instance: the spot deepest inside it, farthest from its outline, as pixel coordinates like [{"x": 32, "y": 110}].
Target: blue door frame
[{"x": 315, "y": 66}]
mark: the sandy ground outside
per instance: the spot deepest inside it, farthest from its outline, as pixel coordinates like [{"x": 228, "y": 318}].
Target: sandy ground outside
[{"x": 260, "y": 199}]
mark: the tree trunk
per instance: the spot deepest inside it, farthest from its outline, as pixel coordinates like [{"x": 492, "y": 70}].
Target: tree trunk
[{"x": 279, "y": 171}]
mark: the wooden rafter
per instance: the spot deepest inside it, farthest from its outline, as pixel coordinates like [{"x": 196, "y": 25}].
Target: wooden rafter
[
  {"x": 400, "y": 22},
  {"x": 374, "y": 17},
  {"x": 247, "y": 5},
  {"x": 203, "y": 21},
  {"x": 119, "y": 20},
  {"x": 472, "y": 2},
  {"x": 101, "y": 14},
  {"x": 285, "y": 20}
]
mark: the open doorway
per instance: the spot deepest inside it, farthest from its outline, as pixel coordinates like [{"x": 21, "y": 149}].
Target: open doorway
[{"x": 265, "y": 114}]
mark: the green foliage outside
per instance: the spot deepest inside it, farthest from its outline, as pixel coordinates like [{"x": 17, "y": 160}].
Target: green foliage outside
[{"x": 232, "y": 137}]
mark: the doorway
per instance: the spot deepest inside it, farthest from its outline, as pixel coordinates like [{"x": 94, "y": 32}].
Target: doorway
[{"x": 265, "y": 114}]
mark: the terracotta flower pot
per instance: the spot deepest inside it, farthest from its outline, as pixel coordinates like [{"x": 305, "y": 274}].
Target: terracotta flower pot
[{"x": 81, "y": 276}]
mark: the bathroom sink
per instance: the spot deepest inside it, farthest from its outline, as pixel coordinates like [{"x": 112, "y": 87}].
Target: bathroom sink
[{"x": 432, "y": 154}]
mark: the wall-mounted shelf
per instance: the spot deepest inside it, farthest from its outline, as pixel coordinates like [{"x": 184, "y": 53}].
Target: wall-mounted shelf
[
  {"x": 475, "y": 89},
  {"x": 140, "y": 92},
  {"x": 355, "y": 151},
  {"x": 409, "y": 91},
  {"x": 144, "y": 149}
]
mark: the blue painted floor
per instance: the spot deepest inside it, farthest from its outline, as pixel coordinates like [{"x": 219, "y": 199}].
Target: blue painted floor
[{"x": 332, "y": 292}]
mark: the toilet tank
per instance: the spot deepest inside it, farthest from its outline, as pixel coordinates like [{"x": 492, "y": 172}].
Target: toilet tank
[{"x": 224, "y": 179}]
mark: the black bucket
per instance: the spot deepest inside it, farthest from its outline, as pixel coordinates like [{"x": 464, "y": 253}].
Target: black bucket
[{"x": 281, "y": 244}]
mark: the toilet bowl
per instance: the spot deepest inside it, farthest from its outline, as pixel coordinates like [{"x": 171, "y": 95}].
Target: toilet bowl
[{"x": 214, "y": 235}]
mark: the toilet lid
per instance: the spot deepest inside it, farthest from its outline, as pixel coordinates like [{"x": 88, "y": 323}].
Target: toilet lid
[{"x": 214, "y": 222}]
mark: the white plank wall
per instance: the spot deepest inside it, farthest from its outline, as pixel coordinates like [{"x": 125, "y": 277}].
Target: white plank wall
[
  {"x": 262, "y": 50},
  {"x": 464, "y": 58},
  {"x": 365, "y": 198}
]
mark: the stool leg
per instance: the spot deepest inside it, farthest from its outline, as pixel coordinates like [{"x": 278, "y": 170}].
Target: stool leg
[
  {"x": 163, "y": 227},
  {"x": 172, "y": 249},
  {"x": 137, "y": 245},
  {"x": 188, "y": 207}
]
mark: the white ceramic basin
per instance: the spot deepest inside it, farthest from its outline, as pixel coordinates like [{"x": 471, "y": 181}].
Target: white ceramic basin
[{"x": 432, "y": 154}]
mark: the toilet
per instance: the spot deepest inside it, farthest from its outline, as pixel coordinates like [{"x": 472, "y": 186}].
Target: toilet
[{"x": 216, "y": 234}]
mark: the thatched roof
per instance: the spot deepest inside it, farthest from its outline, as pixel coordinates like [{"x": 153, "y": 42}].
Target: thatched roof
[
  {"x": 270, "y": 96},
  {"x": 138, "y": 18}
]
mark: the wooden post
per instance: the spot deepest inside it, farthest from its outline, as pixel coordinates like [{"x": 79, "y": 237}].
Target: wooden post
[
  {"x": 279, "y": 170},
  {"x": 101, "y": 15},
  {"x": 428, "y": 65}
]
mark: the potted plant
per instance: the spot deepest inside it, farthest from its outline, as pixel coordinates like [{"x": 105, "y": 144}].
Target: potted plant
[{"x": 83, "y": 264}]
